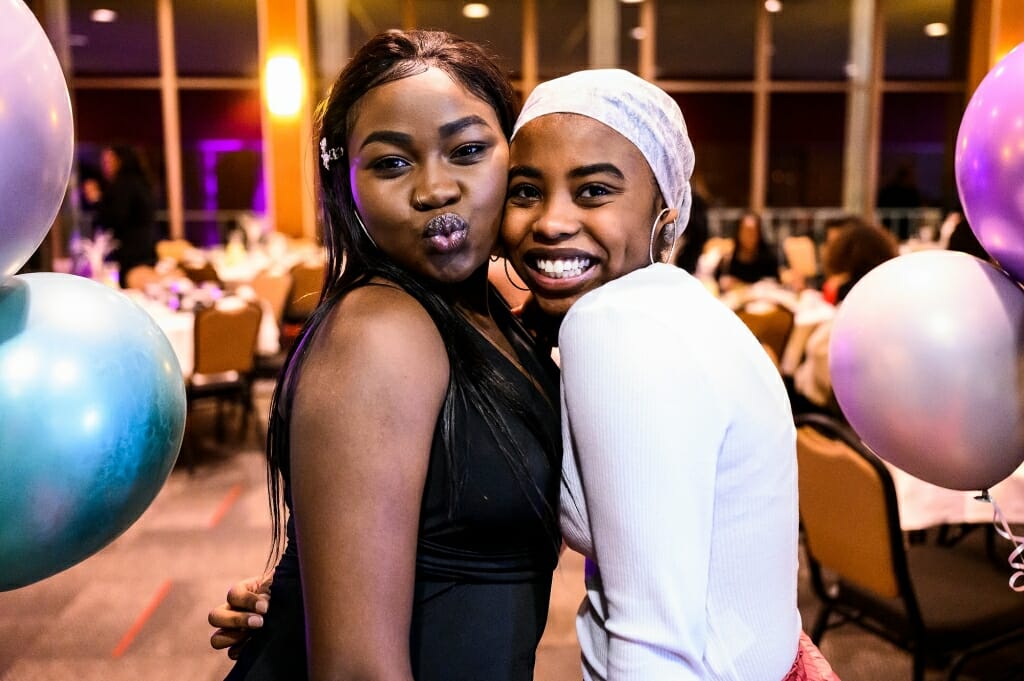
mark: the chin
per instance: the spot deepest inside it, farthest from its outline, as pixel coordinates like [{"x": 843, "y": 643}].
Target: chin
[{"x": 555, "y": 307}]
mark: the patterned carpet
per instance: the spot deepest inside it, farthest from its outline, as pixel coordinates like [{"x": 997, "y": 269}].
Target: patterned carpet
[{"x": 137, "y": 609}]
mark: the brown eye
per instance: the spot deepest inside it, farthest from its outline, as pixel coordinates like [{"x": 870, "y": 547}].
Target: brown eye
[
  {"x": 593, "y": 191},
  {"x": 469, "y": 152}
]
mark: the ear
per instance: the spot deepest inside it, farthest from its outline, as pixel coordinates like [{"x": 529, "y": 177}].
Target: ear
[{"x": 667, "y": 233}]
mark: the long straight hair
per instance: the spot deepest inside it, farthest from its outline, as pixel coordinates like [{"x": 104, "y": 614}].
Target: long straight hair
[{"x": 352, "y": 261}]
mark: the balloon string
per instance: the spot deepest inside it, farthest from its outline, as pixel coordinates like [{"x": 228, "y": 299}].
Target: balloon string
[{"x": 1003, "y": 529}]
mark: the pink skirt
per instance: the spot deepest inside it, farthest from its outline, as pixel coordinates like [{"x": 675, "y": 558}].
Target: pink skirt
[{"x": 810, "y": 664}]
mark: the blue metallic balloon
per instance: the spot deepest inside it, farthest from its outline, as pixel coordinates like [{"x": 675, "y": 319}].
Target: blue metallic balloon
[{"x": 92, "y": 414}]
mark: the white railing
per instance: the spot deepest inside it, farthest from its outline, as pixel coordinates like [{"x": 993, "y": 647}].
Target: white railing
[{"x": 782, "y": 222}]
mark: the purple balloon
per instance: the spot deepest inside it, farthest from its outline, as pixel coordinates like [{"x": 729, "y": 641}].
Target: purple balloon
[
  {"x": 925, "y": 359},
  {"x": 989, "y": 162},
  {"x": 36, "y": 135}
]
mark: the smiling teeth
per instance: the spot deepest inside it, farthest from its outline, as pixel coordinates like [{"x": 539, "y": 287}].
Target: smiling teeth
[{"x": 563, "y": 269}]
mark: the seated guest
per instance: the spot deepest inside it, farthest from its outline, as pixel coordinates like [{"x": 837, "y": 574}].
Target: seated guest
[
  {"x": 856, "y": 250},
  {"x": 752, "y": 258}
]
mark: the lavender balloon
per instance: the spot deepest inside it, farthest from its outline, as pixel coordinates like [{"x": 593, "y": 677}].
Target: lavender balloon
[
  {"x": 989, "y": 162},
  {"x": 925, "y": 358},
  {"x": 36, "y": 135}
]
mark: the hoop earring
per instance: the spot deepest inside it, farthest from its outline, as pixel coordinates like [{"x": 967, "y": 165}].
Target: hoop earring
[
  {"x": 494, "y": 257},
  {"x": 512, "y": 281},
  {"x": 363, "y": 227},
  {"x": 654, "y": 228}
]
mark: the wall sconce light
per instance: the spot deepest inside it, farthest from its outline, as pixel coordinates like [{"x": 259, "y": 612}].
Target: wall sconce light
[{"x": 283, "y": 85}]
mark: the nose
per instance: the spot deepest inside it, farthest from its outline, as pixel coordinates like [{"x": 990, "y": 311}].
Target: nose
[
  {"x": 557, "y": 221},
  {"x": 437, "y": 187}
]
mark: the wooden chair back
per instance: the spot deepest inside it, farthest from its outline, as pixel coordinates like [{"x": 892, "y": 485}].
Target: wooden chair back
[
  {"x": 307, "y": 282},
  {"x": 273, "y": 287},
  {"x": 845, "y": 511},
  {"x": 770, "y": 323},
  {"x": 225, "y": 339}
]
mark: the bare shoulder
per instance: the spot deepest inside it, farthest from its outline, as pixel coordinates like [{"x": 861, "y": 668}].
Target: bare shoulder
[{"x": 376, "y": 333}]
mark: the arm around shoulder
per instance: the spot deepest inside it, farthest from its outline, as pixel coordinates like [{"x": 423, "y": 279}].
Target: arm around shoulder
[{"x": 361, "y": 429}]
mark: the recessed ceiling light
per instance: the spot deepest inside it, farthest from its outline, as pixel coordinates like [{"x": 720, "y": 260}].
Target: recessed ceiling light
[
  {"x": 631, "y": 2},
  {"x": 936, "y": 30},
  {"x": 773, "y": 6},
  {"x": 475, "y": 10},
  {"x": 103, "y": 16}
]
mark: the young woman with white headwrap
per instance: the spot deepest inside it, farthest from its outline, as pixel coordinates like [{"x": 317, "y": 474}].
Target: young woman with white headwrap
[{"x": 679, "y": 469}]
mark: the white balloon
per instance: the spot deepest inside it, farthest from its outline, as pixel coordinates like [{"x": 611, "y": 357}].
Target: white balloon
[
  {"x": 925, "y": 358},
  {"x": 36, "y": 135}
]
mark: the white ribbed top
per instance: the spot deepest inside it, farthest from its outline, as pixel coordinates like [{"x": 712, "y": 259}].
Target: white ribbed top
[{"x": 680, "y": 482}]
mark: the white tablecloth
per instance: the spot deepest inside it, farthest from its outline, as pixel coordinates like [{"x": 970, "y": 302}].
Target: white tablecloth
[
  {"x": 179, "y": 328},
  {"x": 924, "y": 505}
]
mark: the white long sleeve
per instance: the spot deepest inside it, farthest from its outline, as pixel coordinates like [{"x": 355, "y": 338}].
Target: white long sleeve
[{"x": 680, "y": 473}]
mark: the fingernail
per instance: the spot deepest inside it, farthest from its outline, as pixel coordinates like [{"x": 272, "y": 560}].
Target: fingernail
[
  {"x": 261, "y": 606},
  {"x": 255, "y": 621}
]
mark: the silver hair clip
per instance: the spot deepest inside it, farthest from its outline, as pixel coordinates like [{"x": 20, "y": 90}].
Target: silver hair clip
[{"x": 328, "y": 155}]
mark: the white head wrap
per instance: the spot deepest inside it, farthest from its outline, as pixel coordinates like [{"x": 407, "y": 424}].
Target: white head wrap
[{"x": 638, "y": 110}]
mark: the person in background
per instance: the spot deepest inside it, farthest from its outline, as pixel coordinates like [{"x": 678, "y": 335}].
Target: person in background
[
  {"x": 752, "y": 258},
  {"x": 900, "y": 192},
  {"x": 415, "y": 427},
  {"x": 857, "y": 248},
  {"x": 962, "y": 238},
  {"x": 125, "y": 207}
]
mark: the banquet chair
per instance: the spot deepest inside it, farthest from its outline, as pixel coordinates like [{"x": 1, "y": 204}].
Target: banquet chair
[
  {"x": 173, "y": 249},
  {"x": 273, "y": 287},
  {"x": 307, "y": 282},
  {"x": 944, "y": 605},
  {"x": 225, "y": 348},
  {"x": 770, "y": 323},
  {"x": 140, "y": 276},
  {"x": 801, "y": 254},
  {"x": 201, "y": 274}
]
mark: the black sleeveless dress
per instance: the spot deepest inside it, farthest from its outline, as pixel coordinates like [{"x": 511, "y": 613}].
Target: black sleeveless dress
[{"x": 483, "y": 572}]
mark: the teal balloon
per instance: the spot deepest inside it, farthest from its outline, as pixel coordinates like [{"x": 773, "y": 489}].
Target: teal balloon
[{"x": 92, "y": 415}]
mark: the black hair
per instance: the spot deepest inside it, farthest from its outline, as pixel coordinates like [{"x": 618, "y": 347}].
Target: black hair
[
  {"x": 131, "y": 162},
  {"x": 353, "y": 260},
  {"x": 858, "y": 249}
]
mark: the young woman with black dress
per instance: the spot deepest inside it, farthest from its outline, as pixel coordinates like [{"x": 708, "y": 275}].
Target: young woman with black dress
[{"x": 414, "y": 434}]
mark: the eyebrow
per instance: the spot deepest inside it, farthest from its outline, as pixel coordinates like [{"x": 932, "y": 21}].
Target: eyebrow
[
  {"x": 524, "y": 171},
  {"x": 399, "y": 139},
  {"x": 582, "y": 171},
  {"x": 402, "y": 139},
  {"x": 456, "y": 126},
  {"x": 595, "y": 168}
]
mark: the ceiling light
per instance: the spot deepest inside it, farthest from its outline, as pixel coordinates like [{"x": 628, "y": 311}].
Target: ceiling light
[
  {"x": 773, "y": 6},
  {"x": 284, "y": 85},
  {"x": 103, "y": 16},
  {"x": 638, "y": 33},
  {"x": 631, "y": 2},
  {"x": 936, "y": 30},
  {"x": 475, "y": 10}
]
